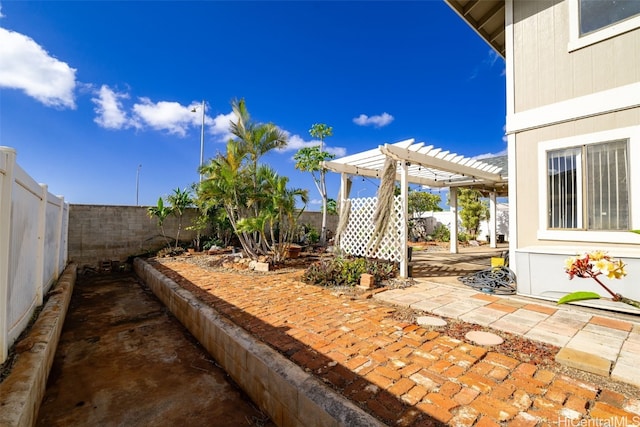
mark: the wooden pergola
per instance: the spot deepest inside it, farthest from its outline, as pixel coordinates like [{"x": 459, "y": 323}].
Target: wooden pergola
[{"x": 418, "y": 163}]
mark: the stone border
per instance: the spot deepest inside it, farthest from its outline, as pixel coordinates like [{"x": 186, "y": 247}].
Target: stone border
[
  {"x": 278, "y": 386},
  {"x": 22, "y": 391}
]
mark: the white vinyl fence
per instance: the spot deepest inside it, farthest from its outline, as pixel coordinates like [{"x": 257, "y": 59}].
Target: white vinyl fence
[{"x": 33, "y": 246}]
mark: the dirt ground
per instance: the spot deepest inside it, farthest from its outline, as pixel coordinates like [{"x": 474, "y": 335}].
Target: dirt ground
[{"x": 123, "y": 360}]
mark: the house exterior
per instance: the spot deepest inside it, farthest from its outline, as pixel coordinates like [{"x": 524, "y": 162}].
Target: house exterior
[{"x": 573, "y": 129}]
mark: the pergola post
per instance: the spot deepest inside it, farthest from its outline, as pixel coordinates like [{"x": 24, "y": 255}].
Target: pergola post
[
  {"x": 404, "y": 193},
  {"x": 493, "y": 220},
  {"x": 344, "y": 181},
  {"x": 453, "y": 205}
]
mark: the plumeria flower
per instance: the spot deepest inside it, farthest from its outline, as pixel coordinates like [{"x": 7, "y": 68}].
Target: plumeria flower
[
  {"x": 598, "y": 255},
  {"x": 602, "y": 266}
]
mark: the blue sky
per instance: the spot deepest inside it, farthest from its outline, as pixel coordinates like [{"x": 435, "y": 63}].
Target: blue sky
[{"x": 90, "y": 90}]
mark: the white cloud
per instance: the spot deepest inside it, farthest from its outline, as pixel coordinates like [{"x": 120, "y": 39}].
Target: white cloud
[
  {"x": 296, "y": 142},
  {"x": 110, "y": 114},
  {"x": 376, "y": 121},
  {"x": 489, "y": 155},
  {"x": 166, "y": 115},
  {"x": 220, "y": 125},
  {"x": 28, "y": 67}
]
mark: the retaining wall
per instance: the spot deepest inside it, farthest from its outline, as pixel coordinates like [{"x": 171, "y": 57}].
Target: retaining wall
[{"x": 290, "y": 396}]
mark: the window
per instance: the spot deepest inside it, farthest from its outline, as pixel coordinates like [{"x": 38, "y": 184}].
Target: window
[
  {"x": 598, "y": 14},
  {"x": 588, "y": 187},
  {"x": 592, "y": 21}
]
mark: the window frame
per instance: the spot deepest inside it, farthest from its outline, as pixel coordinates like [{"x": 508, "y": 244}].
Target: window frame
[
  {"x": 577, "y": 42},
  {"x": 632, "y": 134}
]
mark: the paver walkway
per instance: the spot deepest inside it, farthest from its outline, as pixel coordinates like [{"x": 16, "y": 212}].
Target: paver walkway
[{"x": 404, "y": 374}]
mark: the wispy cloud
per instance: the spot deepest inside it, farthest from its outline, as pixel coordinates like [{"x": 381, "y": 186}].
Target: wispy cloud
[
  {"x": 28, "y": 67},
  {"x": 110, "y": 114},
  {"x": 375, "y": 121},
  {"x": 489, "y": 155},
  {"x": 487, "y": 63}
]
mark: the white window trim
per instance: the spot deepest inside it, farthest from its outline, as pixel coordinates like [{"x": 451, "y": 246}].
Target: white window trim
[
  {"x": 576, "y": 42},
  {"x": 630, "y": 133}
]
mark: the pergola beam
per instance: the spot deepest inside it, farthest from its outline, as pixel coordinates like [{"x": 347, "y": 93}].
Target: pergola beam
[{"x": 440, "y": 162}]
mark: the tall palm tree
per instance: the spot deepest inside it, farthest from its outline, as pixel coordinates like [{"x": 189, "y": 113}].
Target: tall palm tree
[{"x": 256, "y": 201}]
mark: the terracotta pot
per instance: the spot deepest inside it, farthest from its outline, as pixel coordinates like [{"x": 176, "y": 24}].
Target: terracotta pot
[{"x": 293, "y": 251}]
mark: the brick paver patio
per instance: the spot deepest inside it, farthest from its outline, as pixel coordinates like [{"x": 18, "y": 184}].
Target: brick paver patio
[{"x": 404, "y": 374}]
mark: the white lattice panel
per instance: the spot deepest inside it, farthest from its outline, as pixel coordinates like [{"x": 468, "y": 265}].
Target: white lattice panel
[{"x": 357, "y": 238}]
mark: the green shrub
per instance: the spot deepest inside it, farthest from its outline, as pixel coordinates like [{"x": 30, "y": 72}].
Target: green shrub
[
  {"x": 346, "y": 271},
  {"x": 441, "y": 233}
]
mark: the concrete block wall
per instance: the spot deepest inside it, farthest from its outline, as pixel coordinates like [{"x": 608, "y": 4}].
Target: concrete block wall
[
  {"x": 315, "y": 220},
  {"x": 99, "y": 233}
]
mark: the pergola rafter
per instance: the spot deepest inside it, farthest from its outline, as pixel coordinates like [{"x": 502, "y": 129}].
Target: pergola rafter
[{"x": 427, "y": 165}]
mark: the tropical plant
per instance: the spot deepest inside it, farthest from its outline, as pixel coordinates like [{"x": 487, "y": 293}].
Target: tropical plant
[
  {"x": 593, "y": 265},
  {"x": 255, "y": 199},
  {"x": 161, "y": 212},
  {"x": 473, "y": 209},
  {"x": 277, "y": 221},
  {"x": 346, "y": 271},
  {"x": 309, "y": 159},
  {"x": 332, "y": 207},
  {"x": 419, "y": 201},
  {"x": 180, "y": 200}
]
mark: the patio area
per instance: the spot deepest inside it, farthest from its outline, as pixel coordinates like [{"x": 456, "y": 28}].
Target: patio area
[
  {"x": 598, "y": 341},
  {"x": 408, "y": 374}
]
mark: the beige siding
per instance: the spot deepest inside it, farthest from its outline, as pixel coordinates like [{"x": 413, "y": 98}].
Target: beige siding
[
  {"x": 545, "y": 72},
  {"x": 527, "y": 170}
]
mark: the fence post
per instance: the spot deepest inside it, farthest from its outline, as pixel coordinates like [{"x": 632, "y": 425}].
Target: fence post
[
  {"x": 42, "y": 225},
  {"x": 56, "y": 271},
  {"x": 7, "y": 163}
]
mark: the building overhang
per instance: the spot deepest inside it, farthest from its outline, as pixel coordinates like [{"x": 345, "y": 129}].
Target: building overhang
[{"x": 486, "y": 17}]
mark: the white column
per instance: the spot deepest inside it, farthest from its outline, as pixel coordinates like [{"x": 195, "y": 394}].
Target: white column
[
  {"x": 493, "y": 220},
  {"x": 453, "y": 204},
  {"x": 404, "y": 193}
]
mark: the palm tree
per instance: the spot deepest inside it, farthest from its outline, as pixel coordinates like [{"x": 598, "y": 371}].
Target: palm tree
[
  {"x": 276, "y": 223},
  {"x": 253, "y": 196},
  {"x": 161, "y": 212},
  {"x": 180, "y": 200}
]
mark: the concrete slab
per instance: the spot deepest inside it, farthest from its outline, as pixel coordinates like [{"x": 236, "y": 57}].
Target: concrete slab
[
  {"x": 584, "y": 361},
  {"x": 483, "y": 316},
  {"x": 484, "y": 338}
]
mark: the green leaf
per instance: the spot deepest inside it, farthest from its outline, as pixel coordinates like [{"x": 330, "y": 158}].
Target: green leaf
[
  {"x": 635, "y": 231},
  {"x": 578, "y": 296}
]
